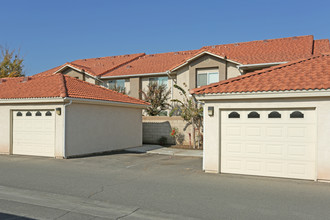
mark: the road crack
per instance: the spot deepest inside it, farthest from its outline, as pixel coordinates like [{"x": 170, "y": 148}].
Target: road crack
[
  {"x": 97, "y": 192},
  {"x": 123, "y": 216}
]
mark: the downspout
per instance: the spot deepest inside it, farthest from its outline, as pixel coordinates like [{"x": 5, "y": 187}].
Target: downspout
[{"x": 64, "y": 125}]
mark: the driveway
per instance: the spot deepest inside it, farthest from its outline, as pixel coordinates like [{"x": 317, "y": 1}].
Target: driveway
[{"x": 149, "y": 186}]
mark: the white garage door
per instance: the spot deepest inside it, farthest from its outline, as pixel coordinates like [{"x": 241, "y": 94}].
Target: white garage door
[
  {"x": 34, "y": 133},
  {"x": 278, "y": 143}
]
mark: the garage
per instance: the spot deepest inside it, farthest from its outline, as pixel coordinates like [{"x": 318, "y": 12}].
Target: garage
[
  {"x": 272, "y": 142},
  {"x": 34, "y": 132},
  {"x": 273, "y": 122},
  {"x": 59, "y": 116}
]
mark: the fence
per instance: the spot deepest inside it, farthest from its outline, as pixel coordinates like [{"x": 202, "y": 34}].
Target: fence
[{"x": 157, "y": 128}]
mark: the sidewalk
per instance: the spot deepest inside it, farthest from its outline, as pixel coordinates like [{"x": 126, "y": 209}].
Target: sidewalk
[{"x": 157, "y": 149}]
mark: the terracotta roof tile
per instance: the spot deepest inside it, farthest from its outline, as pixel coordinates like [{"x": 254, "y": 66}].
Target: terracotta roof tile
[
  {"x": 266, "y": 51},
  {"x": 306, "y": 74},
  {"x": 253, "y": 52},
  {"x": 59, "y": 85},
  {"x": 153, "y": 63},
  {"x": 97, "y": 66},
  {"x": 321, "y": 46},
  {"x": 49, "y": 72}
]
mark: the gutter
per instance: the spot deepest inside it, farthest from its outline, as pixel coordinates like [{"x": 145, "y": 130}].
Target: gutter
[
  {"x": 104, "y": 102},
  {"x": 64, "y": 125},
  {"x": 135, "y": 75},
  {"x": 251, "y": 66}
]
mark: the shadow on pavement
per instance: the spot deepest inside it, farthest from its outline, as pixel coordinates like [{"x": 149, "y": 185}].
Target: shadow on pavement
[{"x": 5, "y": 216}]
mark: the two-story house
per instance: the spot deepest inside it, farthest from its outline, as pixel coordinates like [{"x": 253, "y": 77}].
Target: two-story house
[{"x": 193, "y": 68}]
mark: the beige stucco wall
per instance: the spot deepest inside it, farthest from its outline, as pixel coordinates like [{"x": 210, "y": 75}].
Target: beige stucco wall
[
  {"x": 232, "y": 70},
  {"x": 6, "y": 125},
  {"x": 186, "y": 75},
  {"x": 99, "y": 128},
  {"x": 212, "y": 137}
]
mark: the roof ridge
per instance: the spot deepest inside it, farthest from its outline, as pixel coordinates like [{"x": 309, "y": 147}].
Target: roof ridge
[
  {"x": 122, "y": 64},
  {"x": 109, "y": 56},
  {"x": 273, "y": 39},
  {"x": 72, "y": 78},
  {"x": 255, "y": 73}
]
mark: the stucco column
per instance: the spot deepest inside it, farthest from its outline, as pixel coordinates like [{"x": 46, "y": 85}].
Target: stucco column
[{"x": 135, "y": 87}]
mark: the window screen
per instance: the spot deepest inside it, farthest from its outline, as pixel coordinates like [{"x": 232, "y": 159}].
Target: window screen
[
  {"x": 213, "y": 77},
  {"x": 201, "y": 79}
]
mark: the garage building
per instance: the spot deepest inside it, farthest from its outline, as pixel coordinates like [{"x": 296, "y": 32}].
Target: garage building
[
  {"x": 60, "y": 116},
  {"x": 273, "y": 122}
]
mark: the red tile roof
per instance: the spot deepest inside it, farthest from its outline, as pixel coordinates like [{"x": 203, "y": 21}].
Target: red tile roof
[
  {"x": 153, "y": 63},
  {"x": 307, "y": 74},
  {"x": 97, "y": 66},
  {"x": 266, "y": 51},
  {"x": 253, "y": 52},
  {"x": 321, "y": 46},
  {"x": 59, "y": 85},
  {"x": 49, "y": 72}
]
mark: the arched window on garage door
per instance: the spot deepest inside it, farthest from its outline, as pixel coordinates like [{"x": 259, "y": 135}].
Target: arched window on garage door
[
  {"x": 28, "y": 114},
  {"x": 38, "y": 113},
  {"x": 296, "y": 114},
  {"x": 48, "y": 113},
  {"x": 253, "y": 115},
  {"x": 274, "y": 114},
  {"x": 234, "y": 115},
  {"x": 19, "y": 114}
]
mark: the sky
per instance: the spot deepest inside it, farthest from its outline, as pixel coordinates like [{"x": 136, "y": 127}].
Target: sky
[{"x": 50, "y": 33}]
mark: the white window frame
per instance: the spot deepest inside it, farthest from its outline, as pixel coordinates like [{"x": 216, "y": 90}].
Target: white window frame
[{"x": 208, "y": 72}]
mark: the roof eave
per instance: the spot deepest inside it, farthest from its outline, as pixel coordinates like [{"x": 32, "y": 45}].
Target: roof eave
[
  {"x": 79, "y": 70},
  {"x": 199, "y": 55},
  {"x": 264, "y": 95},
  {"x": 259, "y": 65},
  {"x": 134, "y": 75},
  {"x": 105, "y": 102}
]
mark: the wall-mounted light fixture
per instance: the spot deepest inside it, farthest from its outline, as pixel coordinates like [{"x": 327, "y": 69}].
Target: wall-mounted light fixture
[
  {"x": 58, "y": 111},
  {"x": 210, "y": 110}
]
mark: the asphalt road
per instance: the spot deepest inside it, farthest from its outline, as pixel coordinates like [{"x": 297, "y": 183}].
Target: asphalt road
[{"x": 143, "y": 186}]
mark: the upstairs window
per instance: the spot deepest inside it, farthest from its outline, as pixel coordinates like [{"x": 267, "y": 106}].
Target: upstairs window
[
  {"x": 207, "y": 76},
  {"x": 116, "y": 84},
  {"x": 159, "y": 80}
]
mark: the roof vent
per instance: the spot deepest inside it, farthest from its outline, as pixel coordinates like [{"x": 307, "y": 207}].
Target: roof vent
[
  {"x": 265, "y": 41},
  {"x": 236, "y": 44},
  {"x": 128, "y": 66},
  {"x": 294, "y": 38},
  {"x": 176, "y": 53},
  {"x": 2, "y": 80},
  {"x": 213, "y": 46},
  {"x": 26, "y": 78}
]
